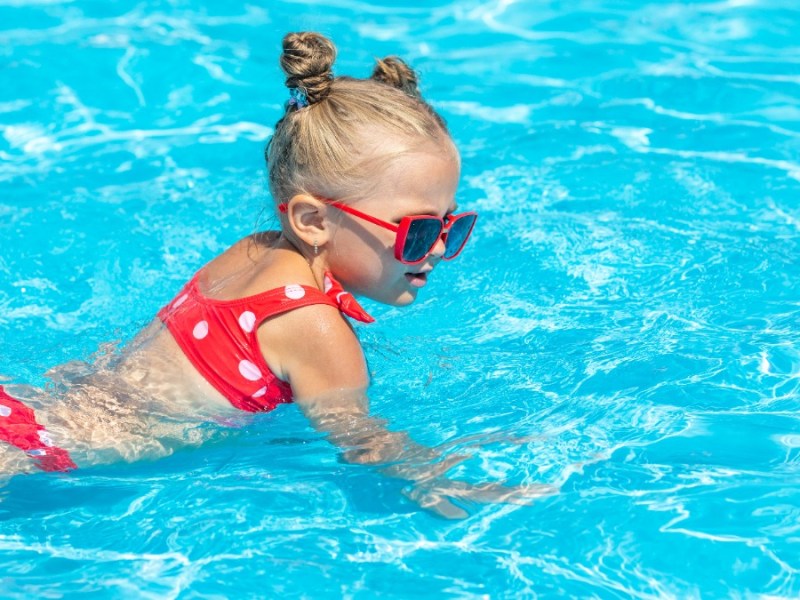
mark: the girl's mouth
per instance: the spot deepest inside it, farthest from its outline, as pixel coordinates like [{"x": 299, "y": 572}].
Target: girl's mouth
[{"x": 417, "y": 279}]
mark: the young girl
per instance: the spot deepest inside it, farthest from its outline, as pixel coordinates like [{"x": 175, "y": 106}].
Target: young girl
[{"x": 364, "y": 174}]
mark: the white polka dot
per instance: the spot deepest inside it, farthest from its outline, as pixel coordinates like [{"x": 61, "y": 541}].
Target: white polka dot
[
  {"x": 294, "y": 291},
  {"x": 4, "y": 410},
  {"x": 180, "y": 301},
  {"x": 200, "y": 330},
  {"x": 249, "y": 370},
  {"x": 247, "y": 320},
  {"x": 45, "y": 438},
  {"x": 327, "y": 284},
  {"x": 259, "y": 393}
]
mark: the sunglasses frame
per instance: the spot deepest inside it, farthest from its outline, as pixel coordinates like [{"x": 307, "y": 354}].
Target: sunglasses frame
[{"x": 403, "y": 228}]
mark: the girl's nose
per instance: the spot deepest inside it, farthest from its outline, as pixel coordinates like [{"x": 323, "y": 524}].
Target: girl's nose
[{"x": 438, "y": 248}]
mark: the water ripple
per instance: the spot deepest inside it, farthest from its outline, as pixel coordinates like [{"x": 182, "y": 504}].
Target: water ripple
[{"x": 623, "y": 324}]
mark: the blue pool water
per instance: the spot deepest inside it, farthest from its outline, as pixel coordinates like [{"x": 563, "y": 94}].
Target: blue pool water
[{"x": 624, "y": 325}]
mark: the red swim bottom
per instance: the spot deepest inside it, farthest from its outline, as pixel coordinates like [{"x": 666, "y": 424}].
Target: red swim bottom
[{"x": 19, "y": 428}]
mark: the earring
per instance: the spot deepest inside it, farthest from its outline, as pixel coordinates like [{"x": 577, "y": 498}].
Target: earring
[{"x": 316, "y": 248}]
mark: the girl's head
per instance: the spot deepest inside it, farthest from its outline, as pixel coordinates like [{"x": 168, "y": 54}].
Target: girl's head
[
  {"x": 351, "y": 129},
  {"x": 373, "y": 144}
]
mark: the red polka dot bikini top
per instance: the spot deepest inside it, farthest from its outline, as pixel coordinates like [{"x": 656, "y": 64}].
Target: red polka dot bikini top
[{"x": 219, "y": 336}]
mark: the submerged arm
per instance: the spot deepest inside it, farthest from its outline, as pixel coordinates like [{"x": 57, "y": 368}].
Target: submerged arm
[
  {"x": 365, "y": 439},
  {"x": 327, "y": 371},
  {"x": 344, "y": 416}
]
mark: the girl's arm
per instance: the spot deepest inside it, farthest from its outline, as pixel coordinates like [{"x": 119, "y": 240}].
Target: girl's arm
[
  {"x": 366, "y": 440},
  {"x": 324, "y": 363},
  {"x": 321, "y": 358}
]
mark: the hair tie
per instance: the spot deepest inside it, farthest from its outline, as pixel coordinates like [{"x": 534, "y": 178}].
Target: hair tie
[{"x": 297, "y": 99}]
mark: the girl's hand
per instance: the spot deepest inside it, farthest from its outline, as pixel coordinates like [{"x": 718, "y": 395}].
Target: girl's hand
[{"x": 436, "y": 495}]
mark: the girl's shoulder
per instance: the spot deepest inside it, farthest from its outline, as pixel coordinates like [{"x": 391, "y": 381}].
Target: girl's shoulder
[
  {"x": 313, "y": 346},
  {"x": 315, "y": 349}
]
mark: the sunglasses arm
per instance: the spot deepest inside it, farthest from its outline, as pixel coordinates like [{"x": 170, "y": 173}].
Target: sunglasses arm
[{"x": 365, "y": 216}]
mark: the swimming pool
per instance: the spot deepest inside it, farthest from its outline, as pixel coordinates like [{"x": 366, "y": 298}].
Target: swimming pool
[{"x": 624, "y": 325}]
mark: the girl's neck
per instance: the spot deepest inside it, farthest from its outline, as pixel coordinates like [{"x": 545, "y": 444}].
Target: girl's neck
[{"x": 314, "y": 263}]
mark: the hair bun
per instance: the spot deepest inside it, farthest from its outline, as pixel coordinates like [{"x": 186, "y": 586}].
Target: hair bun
[
  {"x": 307, "y": 60},
  {"x": 395, "y": 72}
]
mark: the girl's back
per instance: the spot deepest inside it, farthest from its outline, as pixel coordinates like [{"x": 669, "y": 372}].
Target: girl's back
[{"x": 149, "y": 398}]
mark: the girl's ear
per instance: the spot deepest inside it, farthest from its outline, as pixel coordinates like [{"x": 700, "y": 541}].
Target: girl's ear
[{"x": 305, "y": 215}]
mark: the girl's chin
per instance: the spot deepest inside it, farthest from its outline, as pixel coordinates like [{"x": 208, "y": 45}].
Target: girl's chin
[
  {"x": 389, "y": 295},
  {"x": 404, "y": 299},
  {"x": 407, "y": 298}
]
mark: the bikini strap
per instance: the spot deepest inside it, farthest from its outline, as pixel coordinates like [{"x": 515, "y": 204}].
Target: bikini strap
[
  {"x": 293, "y": 296},
  {"x": 280, "y": 300}
]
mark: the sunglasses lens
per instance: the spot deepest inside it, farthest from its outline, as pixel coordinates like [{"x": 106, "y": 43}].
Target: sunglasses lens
[
  {"x": 458, "y": 233},
  {"x": 422, "y": 235}
]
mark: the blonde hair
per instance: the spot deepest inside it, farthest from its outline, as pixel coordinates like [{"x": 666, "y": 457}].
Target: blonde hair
[{"x": 350, "y": 129}]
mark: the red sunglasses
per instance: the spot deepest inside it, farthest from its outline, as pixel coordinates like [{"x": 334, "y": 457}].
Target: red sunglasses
[{"x": 417, "y": 235}]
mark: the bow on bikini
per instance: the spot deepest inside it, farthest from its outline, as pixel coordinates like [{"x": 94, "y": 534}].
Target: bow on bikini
[{"x": 345, "y": 300}]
